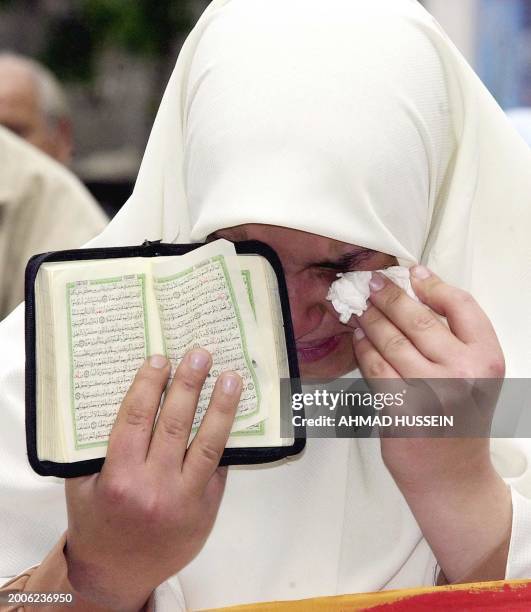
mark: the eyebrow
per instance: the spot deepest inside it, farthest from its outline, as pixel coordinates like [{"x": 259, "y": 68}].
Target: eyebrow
[
  {"x": 346, "y": 260},
  {"x": 343, "y": 262}
]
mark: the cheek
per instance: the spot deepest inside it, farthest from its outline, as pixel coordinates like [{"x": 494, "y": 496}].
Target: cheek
[
  {"x": 317, "y": 284},
  {"x": 307, "y": 289},
  {"x": 340, "y": 362}
]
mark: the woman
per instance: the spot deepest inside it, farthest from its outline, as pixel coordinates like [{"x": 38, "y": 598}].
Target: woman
[{"x": 323, "y": 129}]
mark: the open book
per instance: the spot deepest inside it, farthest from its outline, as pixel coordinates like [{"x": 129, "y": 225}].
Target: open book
[{"x": 92, "y": 322}]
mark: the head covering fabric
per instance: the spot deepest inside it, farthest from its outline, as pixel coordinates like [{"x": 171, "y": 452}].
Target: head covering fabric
[{"x": 357, "y": 120}]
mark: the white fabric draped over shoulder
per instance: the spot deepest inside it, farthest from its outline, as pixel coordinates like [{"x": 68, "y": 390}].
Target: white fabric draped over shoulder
[{"x": 353, "y": 119}]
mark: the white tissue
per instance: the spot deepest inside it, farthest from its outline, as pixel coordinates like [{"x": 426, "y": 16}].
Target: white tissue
[{"x": 350, "y": 293}]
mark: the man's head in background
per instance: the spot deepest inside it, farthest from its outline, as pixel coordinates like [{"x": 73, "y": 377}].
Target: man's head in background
[{"x": 33, "y": 106}]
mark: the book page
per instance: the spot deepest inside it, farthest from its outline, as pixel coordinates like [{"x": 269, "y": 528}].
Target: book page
[
  {"x": 104, "y": 331},
  {"x": 203, "y": 302},
  {"x": 109, "y": 340},
  {"x": 261, "y": 284},
  {"x": 105, "y": 321}
]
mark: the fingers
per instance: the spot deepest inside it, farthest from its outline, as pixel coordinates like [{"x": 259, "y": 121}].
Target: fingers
[
  {"x": 133, "y": 440},
  {"x": 411, "y": 339},
  {"x": 172, "y": 431},
  {"x": 370, "y": 360},
  {"x": 415, "y": 321},
  {"x": 394, "y": 346},
  {"x": 465, "y": 317},
  {"x": 131, "y": 434},
  {"x": 205, "y": 452}
]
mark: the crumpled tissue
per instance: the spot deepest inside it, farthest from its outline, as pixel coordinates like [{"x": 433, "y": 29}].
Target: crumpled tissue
[{"x": 350, "y": 293}]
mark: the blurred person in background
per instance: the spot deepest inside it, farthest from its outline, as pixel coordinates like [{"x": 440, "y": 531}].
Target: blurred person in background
[
  {"x": 33, "y": 106},
  {"x": 43, "y": 207}
]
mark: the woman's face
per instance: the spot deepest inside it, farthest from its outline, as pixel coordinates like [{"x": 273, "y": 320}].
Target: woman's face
[{"x": 311, "y": 263}]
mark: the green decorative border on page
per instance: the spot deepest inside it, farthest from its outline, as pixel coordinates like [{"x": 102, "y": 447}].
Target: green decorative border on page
[
  {"x": 254, "y": 430},
  {"x": 69, "y": 286},
  {"x": 248, "y": 361},
  {"x": 246, "y": 275},
  {"x": 260, "y": 428}
]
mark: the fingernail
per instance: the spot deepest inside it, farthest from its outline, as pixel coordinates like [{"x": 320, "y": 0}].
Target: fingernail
[
  {"x": 230, "y": 383},
  {"x": 421, "y": 272},
  {"x": 377, "y": 282},
  {"x": 359, "y": 333},
  {"x": 158, "y": 361},
  {"x": 198, "y": 359}
]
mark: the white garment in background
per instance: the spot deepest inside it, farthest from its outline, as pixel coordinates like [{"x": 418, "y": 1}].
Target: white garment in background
[
  {"x": 357, "y": 120},
  {"x": 43, "y": 207}
]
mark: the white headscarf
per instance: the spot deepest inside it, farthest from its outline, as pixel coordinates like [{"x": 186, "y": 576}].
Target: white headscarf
[
  {"x": 360, "y": 121},
  {"x": 355, "y": 120}
]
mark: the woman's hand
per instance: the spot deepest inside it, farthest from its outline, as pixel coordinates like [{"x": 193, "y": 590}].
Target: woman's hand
[
  {"x": 149, "y": 512},
  {"x": 462, "y": 505},
  {"x": 406, "y": 340}
]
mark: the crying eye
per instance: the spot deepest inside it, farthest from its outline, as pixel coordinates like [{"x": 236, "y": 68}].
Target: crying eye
[{"x": 329, "y": 274}]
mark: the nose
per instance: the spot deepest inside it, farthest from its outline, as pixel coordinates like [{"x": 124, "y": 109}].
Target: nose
[{"x": 307, "y": 306}]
